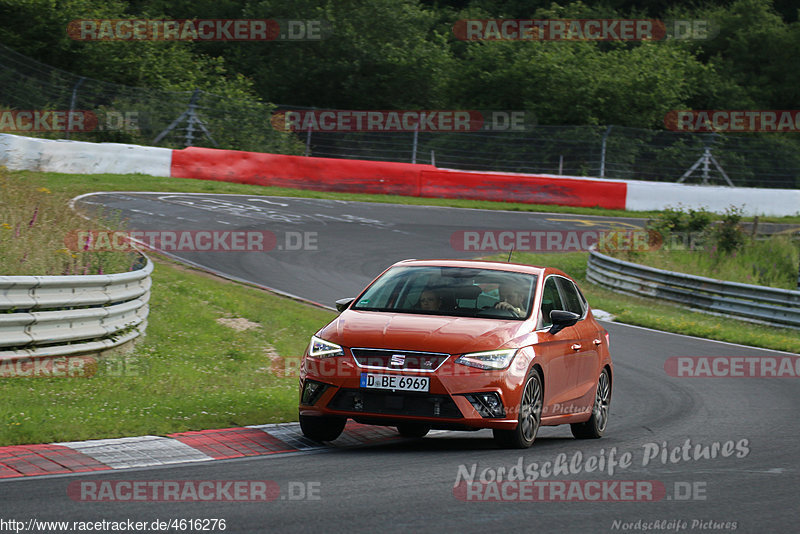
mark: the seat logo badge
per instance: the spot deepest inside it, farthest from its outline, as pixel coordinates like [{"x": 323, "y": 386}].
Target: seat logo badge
[{"x": 398, "y": 360}]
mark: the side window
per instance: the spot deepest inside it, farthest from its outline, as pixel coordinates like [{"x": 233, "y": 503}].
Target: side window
[
  {"x": 551, "y": 300},
  {"x": 572, "y": 299}
]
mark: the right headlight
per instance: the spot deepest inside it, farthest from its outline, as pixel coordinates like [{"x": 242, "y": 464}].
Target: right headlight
[
  {"x": 489, "y": 360},
  {"x": 319, "y": 348}
]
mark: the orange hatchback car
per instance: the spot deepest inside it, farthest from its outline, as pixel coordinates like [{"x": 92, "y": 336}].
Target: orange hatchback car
[{"x": 460, "y": 345}]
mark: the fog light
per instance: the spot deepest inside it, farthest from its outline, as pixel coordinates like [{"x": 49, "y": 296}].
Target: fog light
[
  {"x": 312, "y": 391},
  {"x": 487, "y": 404}
]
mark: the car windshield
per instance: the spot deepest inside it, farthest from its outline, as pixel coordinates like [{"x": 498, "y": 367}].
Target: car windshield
[{"x": 456, "y": 291}]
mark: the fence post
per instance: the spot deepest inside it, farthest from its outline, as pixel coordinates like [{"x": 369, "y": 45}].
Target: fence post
[
  {"x": 603, "y": 152},
  {"x": 72, "y": 105},
  {"x": 416, "y": 136}
]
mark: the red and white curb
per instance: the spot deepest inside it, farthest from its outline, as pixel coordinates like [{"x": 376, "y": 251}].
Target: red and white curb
[{"x": 184, "y": 447}]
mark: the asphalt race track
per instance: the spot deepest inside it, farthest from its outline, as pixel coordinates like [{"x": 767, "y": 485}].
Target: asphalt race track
[{"x": 661, "y": 434}]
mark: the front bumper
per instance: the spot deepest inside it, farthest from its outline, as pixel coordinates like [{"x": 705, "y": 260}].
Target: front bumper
[{"x": 331, "y": 387}]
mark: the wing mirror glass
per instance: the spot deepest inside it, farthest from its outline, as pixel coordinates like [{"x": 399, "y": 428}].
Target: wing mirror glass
[
  {"x": 562, "y": 319},
  {"x": 342, "y": 304}
]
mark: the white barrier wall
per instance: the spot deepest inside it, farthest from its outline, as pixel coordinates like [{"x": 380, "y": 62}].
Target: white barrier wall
[
  {"x": 75, "y": 157},
  {"x": 659, "y": 195}
]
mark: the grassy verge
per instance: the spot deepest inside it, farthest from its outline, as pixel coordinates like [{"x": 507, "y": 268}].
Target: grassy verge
[
  {"x": 190, "y": 372},
  {"x": 661, "y": 316},
  {"x": 772, "y": 262},
  {"x": 39, "y": 234},
  {"x": 78, "y": 184}
]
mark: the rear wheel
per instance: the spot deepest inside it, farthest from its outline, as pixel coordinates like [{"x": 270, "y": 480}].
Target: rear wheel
[
  {"x": 530, "y": 416},
  {"x": 413, "y": 430},
  {"x": 322, "y": 428},
  {"x": 596, "y": 425}
]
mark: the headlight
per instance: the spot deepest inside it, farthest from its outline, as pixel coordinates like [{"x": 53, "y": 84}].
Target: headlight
[
  {"x": 493, "y": 359},
  {"x": 319, "y": 348}
]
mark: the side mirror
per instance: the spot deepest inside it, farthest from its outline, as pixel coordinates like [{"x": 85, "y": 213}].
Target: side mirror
[
  {"x": 342, "y": 304},
  {"x": 562, "y": 319}
]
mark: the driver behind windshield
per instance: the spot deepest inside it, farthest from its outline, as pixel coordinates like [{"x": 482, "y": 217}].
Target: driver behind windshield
[
  {"x": 430, "y": 300},
  {"x": 512, "y": 298}
]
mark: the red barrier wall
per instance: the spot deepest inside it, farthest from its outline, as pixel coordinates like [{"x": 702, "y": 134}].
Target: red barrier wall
[
  {"x": 525, "y": 188},
  {"x": 326, "y": 174},
  {"x": 358, "y": 176}
]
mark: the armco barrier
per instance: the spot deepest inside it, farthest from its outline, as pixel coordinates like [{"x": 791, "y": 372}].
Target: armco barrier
[
  {"x": 779, "y": 307},
  {"x": 45, "y": 316}
]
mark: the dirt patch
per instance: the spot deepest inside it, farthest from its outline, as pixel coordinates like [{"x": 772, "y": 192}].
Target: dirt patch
[{"x": 240, "y": 324}]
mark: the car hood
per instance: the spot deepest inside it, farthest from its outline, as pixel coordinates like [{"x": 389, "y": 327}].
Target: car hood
[{"x": 430, "y": 333}]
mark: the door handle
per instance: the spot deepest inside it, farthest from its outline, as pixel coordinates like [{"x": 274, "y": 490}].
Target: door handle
[
  {"x": 576, "y": 346},
  {"x": 597, "y": 342}
]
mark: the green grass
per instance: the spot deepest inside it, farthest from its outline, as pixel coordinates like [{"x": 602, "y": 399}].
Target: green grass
[
  {"x": 651, "y": 313},
  {"x": 39, "y": 233},
  {"x": 189, "y": 372},
  {"x": 78, "y": 184},
  {"x": 770, "y": 262}
]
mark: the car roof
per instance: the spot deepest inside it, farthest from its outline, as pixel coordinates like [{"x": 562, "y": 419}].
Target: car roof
[{"x": 481, "y": 264}]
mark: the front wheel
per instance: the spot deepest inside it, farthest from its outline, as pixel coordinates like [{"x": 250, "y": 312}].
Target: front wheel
[
  {"x": 596, "y": 425},
  {"x": 322, "y": 428},
  {"x": 530, "y": 416}
]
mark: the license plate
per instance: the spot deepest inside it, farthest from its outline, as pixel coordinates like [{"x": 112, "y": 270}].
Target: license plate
[{"x": 396, "y": 382}]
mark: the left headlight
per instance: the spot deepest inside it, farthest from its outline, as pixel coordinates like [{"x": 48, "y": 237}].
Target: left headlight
[
  {"x": 491, "y": 360},
  {"x": 319, "y": 348}
]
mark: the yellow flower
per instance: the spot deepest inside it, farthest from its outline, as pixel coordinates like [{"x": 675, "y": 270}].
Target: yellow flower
[
  {"x": 43, "y": 190},
  {"x": 6, "y": 226}
]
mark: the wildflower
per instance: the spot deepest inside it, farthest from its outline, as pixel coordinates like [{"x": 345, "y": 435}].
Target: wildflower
[
  {"x": 6, "y": 226},
  {"x": 43, "y": 190},
  {"x": 35, "y": 214}
]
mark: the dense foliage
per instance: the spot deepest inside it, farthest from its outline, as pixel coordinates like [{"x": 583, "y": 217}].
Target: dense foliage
[{"x": 404, "y": 54}]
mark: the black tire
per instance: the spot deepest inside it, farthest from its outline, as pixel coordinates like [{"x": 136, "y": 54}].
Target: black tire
[
  {"x": 596, "y": 425},
  {"x": 413, "y": 430},
  {"x": 322, "y": 428},
  {"x": 530, "y": 416}
]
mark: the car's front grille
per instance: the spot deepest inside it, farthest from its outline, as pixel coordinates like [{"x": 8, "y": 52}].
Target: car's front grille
[
  {"x": 399, "y": 360},
  {"x": 394, "y": 403}
]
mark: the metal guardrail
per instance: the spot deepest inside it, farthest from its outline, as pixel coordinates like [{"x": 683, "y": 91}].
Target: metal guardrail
[
  {"x": 778, "y": 307},
  {"x": 43, "y": 316}
]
